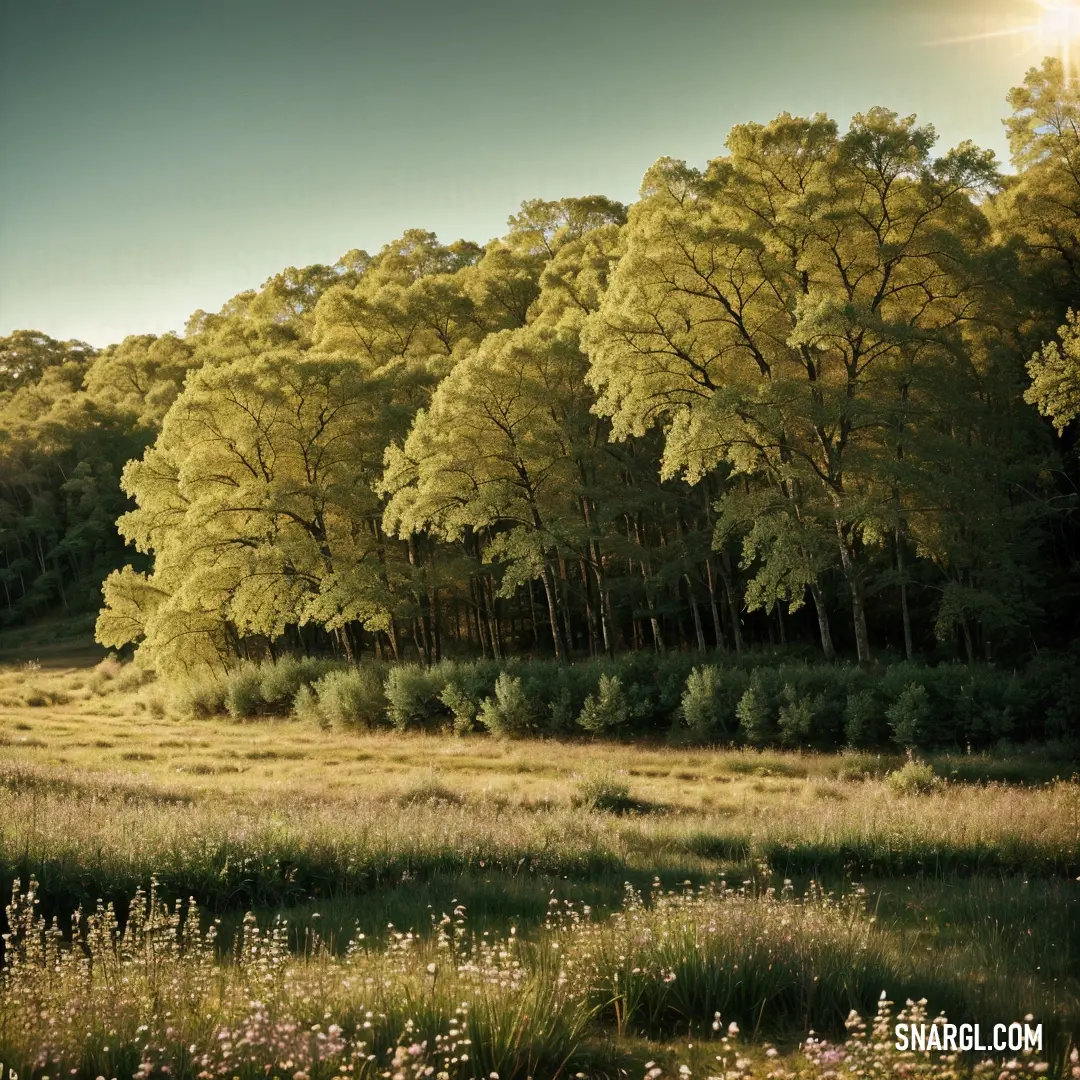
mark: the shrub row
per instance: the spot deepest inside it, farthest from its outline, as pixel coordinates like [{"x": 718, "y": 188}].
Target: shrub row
[{"x": 760, "y": 701}]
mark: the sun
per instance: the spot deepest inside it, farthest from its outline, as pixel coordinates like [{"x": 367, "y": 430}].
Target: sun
[
  {"x": 1058, "y": 26},
  {"x": 1051, "y": 26},
  {"x": 1059, "y": 20}
]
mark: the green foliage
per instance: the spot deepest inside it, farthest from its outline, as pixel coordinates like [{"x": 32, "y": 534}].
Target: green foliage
[
  {"x": 755, "y": 712},
  {"x": 350, "y": 698},
  {"x": 603, "y": 790},
  {"x": 759, "y": 700},
  {"x": 799, "y": 717},
  {"x": 467, "y": 687},
  {"x": 61, "y": 454},
  {"x": 607, "y": 710},
  {"x": 1055, "y": 376},
  {"x": 306, "y": 706},
  {"x": 1050, "y": 691},
  {"x": 508, "y": 712},
  {"x": 864, "y": 719},
  {"x": 243, "y": 692},
  {"x": 281, "y": 680},
  {"x": 610, "y": 431},
  {"x": 910, "y": 716},
  {"x": 414, "y": 696},
  {"x": 462, "y": 705},
  {"x": 199, "y": 695},
  {"x": 915, "y": 778},
  {"x": 708, "y": 704},
  {"x": 430, "y": 790}
]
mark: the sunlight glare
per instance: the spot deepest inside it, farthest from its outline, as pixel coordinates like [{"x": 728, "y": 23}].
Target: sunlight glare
[
  {"x": 1059, "y": 25},
  {"x": 1052, "y": 28}
]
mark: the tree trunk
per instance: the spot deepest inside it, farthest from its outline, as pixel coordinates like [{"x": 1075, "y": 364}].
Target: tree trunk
[
  {"x": 696, "y": 614},
  {"x": 590, "y": 608},
  {"x": 596, "y": 560},
  {"x": 562, "y": 596},
  {"x": 823, "y": 622},
  {"x": 532, "y": 616},
  {"x": 474, "y": 589},
  {"x": 420, "y": 623},
  {"x": 858, "y": 605},
  {"x": 654, "y": 622},
  {"x": 733, "y": 606},
  {"x": 553, "y": 613},
  {"x": 491, "y": 611},
  {"x": 718, "y": 630},
  {"x": 902, "y": 573},
  {"x": 346, "y": 644}
]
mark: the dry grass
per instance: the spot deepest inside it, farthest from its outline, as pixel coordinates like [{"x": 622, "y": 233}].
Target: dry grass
[{"x": 973, "y": 883}]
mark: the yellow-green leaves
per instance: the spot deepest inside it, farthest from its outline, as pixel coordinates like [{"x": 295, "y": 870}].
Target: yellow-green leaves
[
  {"x": 142, "y": 375},
  {"x": 1055, "y": 376},
  {"x": 772, "y": 313},
  {"x": 257, "y": 503}
]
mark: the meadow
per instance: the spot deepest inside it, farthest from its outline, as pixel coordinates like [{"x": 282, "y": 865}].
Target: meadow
[{"x": 274, "y": 897}]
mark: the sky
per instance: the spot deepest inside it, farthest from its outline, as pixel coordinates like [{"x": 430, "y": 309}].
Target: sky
[{"x": 157, "y": 158}]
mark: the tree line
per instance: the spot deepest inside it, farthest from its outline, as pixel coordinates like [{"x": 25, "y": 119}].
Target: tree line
[{"x": 805, "y": 394}]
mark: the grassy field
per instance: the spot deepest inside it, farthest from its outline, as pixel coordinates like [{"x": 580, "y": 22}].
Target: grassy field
[{"x": 521, "y": 908}]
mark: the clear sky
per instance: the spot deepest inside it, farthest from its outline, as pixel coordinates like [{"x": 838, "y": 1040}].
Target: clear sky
[{"x": 159, "y": 157}]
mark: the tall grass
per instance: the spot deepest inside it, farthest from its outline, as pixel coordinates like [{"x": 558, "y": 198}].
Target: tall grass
[
  {"x": 85, "y": 839},
  {"x": 155, "y": 998}
]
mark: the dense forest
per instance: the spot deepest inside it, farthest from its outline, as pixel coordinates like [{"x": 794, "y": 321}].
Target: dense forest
[{"x": 817, "y": 392}]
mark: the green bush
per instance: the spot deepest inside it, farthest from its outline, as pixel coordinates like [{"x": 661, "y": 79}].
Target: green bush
[
  {"x": 507, "y": 713},
  {"x": 561, "y": 710},
  {"x": 762, "y": 697},
  {"x": 755, "y": 712},
  {"x": 864, "y": 720},
  {"x": 915, "y": 778},
  {"x": 909, "y": 716},
  {"x": 557, "y": 692},
  {"x": 199, "y": 694},
  {"x": 282, "y": 679},
  {"x": 414, "y": 694},
  {"x": 605, "y": 791},
  {"x": 606, "y": 710},
  {"x": 654, "y": 686},
  {"x": 709, "y": 702},
  {"x": 134, "y": 676},
  {"x": 799, "y": 717},
  {"x": 462, "y": 705},
  {"x": 855, "y": 765},
  {"x": 467, "y": 687},
  {"x": 1051, "y": 695},
  {"x": 243, "y": 692},
  {"x": 306, "y": 707},
  {"x": 429, "y": 791},
  {"x": 353, "y": 697}
]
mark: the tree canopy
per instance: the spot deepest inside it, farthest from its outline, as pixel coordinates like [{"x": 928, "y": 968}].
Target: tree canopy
[{"x": 793, "y": 394}]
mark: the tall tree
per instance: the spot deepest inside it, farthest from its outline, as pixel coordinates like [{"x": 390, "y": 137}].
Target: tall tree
[
  {"x": 766, "y": 311},
  {"x": 256, "y": 503}
]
